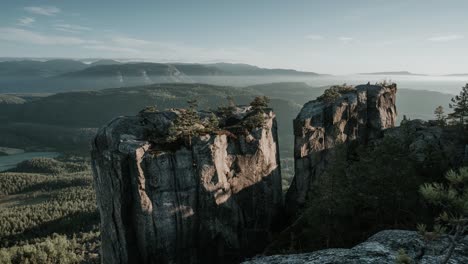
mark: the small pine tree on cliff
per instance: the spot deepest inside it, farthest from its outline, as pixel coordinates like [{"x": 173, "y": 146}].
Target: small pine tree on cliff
[
  {"x": 213, "y": 123},
  {"x": 227, "y": 111},
  {"x": 460, "y": 106},
  {"x": 186, "y": 125},
  {"x": 260, "y": 103},
  {"x": 453, "y": 199},
  {"x": 257, "y": 119},
  {"x": 440, "y": 116}
]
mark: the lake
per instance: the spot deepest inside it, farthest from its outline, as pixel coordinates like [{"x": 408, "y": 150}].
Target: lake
[{"x": 10, "y": 161}]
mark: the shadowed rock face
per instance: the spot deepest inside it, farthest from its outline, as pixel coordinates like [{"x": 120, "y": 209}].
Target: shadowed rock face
[
  {"x": 214, "y": 200},
  {"x": 359, "y": 115}
]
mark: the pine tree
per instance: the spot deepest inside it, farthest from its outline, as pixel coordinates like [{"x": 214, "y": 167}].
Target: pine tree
[
  {"x": 453, "y": 199},
  {"x": 149, "y": 109},
  {"x": 405, "y": 120},
  {"x": 440, "y": 116},
  {"x": 187, "y": 124},
  {"x": 231, "y": 102},
  {"x": 213, "y": 123},
  {"x": 460, "y": 106},
  {"x": 260, "y": 103},
  {"x": 227, "y": 111}
]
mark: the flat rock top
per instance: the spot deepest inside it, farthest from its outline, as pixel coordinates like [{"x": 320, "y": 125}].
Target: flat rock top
[{"x": 316, "y": 106}]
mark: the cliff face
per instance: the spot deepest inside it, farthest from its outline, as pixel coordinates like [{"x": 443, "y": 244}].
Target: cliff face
[
  {"x": 359, "y": 114},
  {"x": 213, "y": 200}
]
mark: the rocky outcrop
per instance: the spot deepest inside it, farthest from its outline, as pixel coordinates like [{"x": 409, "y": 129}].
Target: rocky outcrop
[
  {"x": 358, "y": 114},
  {"x": 215, "y": 199},
  {"x": 381, "y": 248},
  {"x": 429, "y": 143}
]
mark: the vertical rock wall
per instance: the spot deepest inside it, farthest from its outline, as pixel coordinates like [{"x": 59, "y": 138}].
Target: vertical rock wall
[
  {"x": 215, "y": 200},
  {"x": 357, "y": 115}
]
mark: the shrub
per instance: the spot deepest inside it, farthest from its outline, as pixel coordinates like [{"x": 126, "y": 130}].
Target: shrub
[
  {"x": 452, "y": 197},
  {"x": 335, "y": 92}
]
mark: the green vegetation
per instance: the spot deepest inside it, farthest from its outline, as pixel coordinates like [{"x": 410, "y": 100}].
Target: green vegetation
[
  {"x": 368, "y": 189},
  {"x": 376, "y": 195},
  {"x": 186, "y": 125},
  {"x": 260, "y": 103},
  {"x": 460, "y": 106},
  {"x": 149, "y": 109},
  {"x": 50, "y": 166},
  {"x": 440, "y": 116},
  {"x": 386, "y": 83},
  {"x": 375, "y": 187},
  {"x": 452, "y": 198},
  {"x": 49, "y": 219},
  {"x": 403, "y": 258},
  {"x": 57, "y": 249},
  {"x": 335, "y": 92},
  {"x": 257, "y": 118}
]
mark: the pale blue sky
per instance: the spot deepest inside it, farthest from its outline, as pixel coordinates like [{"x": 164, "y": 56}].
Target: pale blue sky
[{"x": 326, "y": 36}]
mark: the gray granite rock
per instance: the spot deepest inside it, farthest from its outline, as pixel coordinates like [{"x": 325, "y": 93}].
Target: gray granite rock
[
  {"x": 216, "y": 200},
  {"x": 358, "y": 115},
  {"x": 382, "y": 248}
]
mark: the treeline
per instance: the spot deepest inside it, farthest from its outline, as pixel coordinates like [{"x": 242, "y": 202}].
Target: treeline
[{"x": 48, "y": 217}]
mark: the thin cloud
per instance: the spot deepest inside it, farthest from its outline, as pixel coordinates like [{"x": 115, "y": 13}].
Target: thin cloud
[
  {"x": 345, "y": 39},
  {"x": 71, "y": 28},
  {"x": 446, "y": 38},
  {"x": 314, "y": 37},
  {"x": 131, "y": 42},
  {"x": 26, "y": 21},
  {"x": 27, "y": 36},
  {"x": 43, "y": 10},
  {"x": 111, "y": 49}
]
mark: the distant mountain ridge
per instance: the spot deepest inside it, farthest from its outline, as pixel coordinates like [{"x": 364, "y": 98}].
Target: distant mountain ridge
[
  {"x": 33, "y": 68},
  {"x": 457, "y": 74},
  {"x": 107, "y": 67},
  {"x": 163, "y": 69},
  {"x": 61, "y": 75},
  {"x": 393, "y": 73}
]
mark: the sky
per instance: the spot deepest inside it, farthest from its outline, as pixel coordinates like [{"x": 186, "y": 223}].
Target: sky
[{"x": 324, "y": 36}]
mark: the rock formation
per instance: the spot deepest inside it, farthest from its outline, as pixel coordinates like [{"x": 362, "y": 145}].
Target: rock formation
[
  {"x": 214, "y": 199},
  {"x": 428, "y": 140},
  {"x": 381, "y": 248},
  {"x": 354, "y": 114}
]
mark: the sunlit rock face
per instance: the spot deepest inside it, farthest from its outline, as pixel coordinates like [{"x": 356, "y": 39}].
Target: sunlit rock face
[
  {"x": 360, "y": 115},
  {"x": 215, "y": 200}
]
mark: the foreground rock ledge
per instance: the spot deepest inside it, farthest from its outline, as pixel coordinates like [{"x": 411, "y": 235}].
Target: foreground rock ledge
[
  {"x": 215, "y": 200},
  {"x": 382, "y": 248}
]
